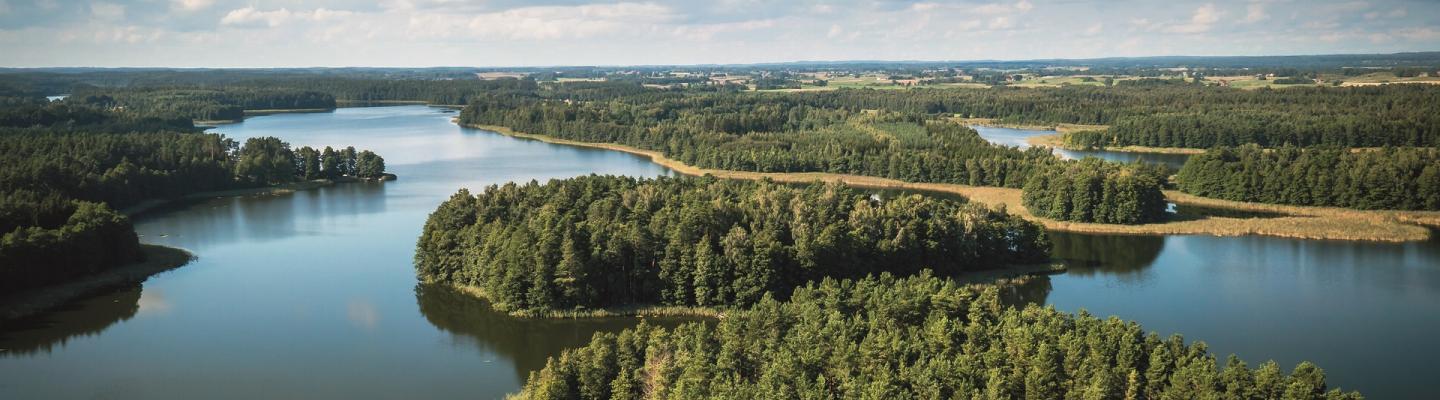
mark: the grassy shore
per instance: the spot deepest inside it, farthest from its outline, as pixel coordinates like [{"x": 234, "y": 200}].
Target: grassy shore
[
  {"x": 1298, "y": 222},
  {"x": 157, "y": 259}
]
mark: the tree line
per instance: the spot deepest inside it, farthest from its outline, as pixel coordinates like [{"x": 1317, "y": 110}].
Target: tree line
[
  {"x": 917, "y": 337},
  {"x": 1184, "y": 115},
  {"x": 764, "y": 133},
  {"x": 199, "y": 103},
  {"x": 601, "y": 241},
  {"x": 1392, "y": 178}
]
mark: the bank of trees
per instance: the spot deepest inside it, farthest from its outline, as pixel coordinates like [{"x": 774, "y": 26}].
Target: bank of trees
[
  {"x": 1384, "y": 178},
  {"x": 602, "y": 241},
  {"x": 1092, "y": 190},
  {"x": 781, "y": 133},
  {"x": 917, "y": 337},
  {"x": 198, "y": 103},
  {"x": 1186, "y": 115}
]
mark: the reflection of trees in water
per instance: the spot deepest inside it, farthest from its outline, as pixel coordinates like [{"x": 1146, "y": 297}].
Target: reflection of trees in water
[
  {"x": 42, "y": 333},
  {"x": 1033, "y": 291},
  {"x": 197, "y": 223},
  {"x": 1089, "y": 254},
  {"x": 526, "y": 342}
]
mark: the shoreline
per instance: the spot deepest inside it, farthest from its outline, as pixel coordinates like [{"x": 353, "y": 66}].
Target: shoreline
[
  {"x": 1016, "y": 274},
  {"x": 1300, "y": 222},
  {"x": 152, "y": 204},
  {"x": 292, "y": 187},
  {"x": 158, "y": 259},
  {"x": 1055, "y": 140}
]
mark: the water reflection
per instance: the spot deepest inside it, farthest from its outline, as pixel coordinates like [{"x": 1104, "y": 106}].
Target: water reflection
[
  {"x": 1363, "y": 311},
  {"x": 1019, "y": 138},
  {"x": 47, "y": 332},
  {"x": 525, "y": 343},
  {"x": 259, "y": 217},
  {"x": 1122, "y": 257}
]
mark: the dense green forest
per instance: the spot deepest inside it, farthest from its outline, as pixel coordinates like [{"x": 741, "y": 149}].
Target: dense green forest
[
  {"x": 603, "y": 241},
  {"x": 782, "y": 133},
  {"x": 227, "y": 103},
  {"x": 92, "y": 237},
  {"x": 64, "y": 169},
  {"x": 1098, "y": 191},
  {"x": 1385, "y": 178},
  {"x": 916, "y": 337},
  {"x": 1180, "y": 115}
]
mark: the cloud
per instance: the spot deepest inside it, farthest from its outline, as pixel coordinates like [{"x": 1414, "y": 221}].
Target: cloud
[
  {"x": 107, "y": 11},
  {"x": 1255, "y": 12},
  {"x": 1204, "y": 18},
  {"x": 1095, "y": 29},
  {"x": 191, "y": 5},
  {"x": 1419, "y": 34},
  {"x": 568, "y": 32},
  {"x": 249, "y": 17}
]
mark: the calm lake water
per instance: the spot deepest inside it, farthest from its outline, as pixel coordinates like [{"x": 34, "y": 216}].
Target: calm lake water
[
  {"x": 313, "y": 294},
  {"x": 1017, "y": 138}
]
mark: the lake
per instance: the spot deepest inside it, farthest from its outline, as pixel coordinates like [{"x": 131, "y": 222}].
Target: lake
[
  {"x": 1017, "y": 138},
  {"x": 313, "y": 294}
]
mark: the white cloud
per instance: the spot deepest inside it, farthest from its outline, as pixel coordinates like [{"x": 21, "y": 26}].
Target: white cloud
[
  {"x": 107, "y": 11},
  {"x": 1095, "y": 29},
  {"x": 556, "y": 22},
  {"x": 1419, "y": 34},
  {"x": 191, "y": 5},
  {"x": 250, "y": 17},
  {"x": 835, "y": 31},
  {"x": 1255, "y": 12},
  {"x": 1204, "y": 18},
  {"x": 1001, "y": 23}
]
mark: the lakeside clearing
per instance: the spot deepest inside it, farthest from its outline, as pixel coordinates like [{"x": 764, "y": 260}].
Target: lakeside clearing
[
  {"x": 157, "y": 259},
  {"x": 1299, "y": 221}
]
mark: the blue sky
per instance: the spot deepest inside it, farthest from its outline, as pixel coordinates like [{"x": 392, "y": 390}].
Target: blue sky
[{"x": 264, "y": 33}]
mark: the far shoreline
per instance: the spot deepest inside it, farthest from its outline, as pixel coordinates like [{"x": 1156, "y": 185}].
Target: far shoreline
[{"x": 1300, "y": 222}]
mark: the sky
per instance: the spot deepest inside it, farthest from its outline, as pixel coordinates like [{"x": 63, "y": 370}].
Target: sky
[{"x": 500, "y": 33}]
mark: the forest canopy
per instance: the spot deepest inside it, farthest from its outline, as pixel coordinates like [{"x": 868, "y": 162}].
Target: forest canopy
[
  {"x": 918, "y": 337},
  {"x": 1391, "y": 178},
  {"x": 602, "y": 241}
]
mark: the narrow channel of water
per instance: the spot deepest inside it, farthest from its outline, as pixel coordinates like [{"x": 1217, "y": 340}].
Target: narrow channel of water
[
  {"x": 313, "y": 294},
  {"x": 1019, "y": 137}
]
